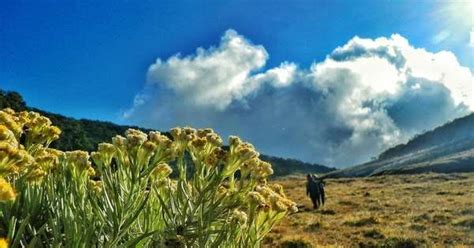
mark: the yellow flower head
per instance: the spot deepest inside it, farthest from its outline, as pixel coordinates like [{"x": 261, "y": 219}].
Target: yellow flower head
[
  {"x": 199, "y": 143},
  {"x": 217, "y": 154},
  {"x": 264, "y": 190},
  {"x": 234, "y": 141},
  {"x": 246, "y": 152},
  {"x": 39, "y": 129},
  {"x": 290, "y": 204},
  {"x": 3, "y": 243},
  {"x": 276, "y": 203},
  {"x": 135, "y": 137},
  {"x": 149, "y": 146},
  {"x": 97, "y": 158},
  {"x": 201, "y": 133},
  {"x": 6, "y": 191},
  {"x": 106, "y": 149},
  {"x": 222, "y": 191},
  {"x": 184, "y": 134},
  {"x": 239, "y": 216},
  {"x": 210, "y": 136},
  {"x": 263, "y": 170},
  {"x": 11, "y": 158},
  {"x": 41, "y": 121},
  {"x": 79, "y": 159},
  {"x": 8, "y": 120},
  {"x": 96, "y": 186},
  {"x": 23, "y": 117},
  {"x": 7, "y": 136},
  {"x": 119, "y": 141},
  {"x": 91, "y": 171},
  {"x": 47, "y": 158},
  {"x": 9, "y": 111},
  {"x": 176, "y": 133},
  {"x": 182, "y": 137},
  {"x": 33, "y": 115},
  {"x": 162, "y": 170},
  {"x": 104, "y": 154},
  {"x": 250, "y": 165},
  {"x": 52, "y": 132},
  {"x": 256, "y": 198},
  {"x": 160, "y": 140},
  {"x": 7, "y": 150},
  {"x": 35, "y": 175},
  {"x": 278, "y": 189}
]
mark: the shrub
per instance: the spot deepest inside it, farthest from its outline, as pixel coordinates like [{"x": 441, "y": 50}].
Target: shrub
[{"x": 123, "y": 195}]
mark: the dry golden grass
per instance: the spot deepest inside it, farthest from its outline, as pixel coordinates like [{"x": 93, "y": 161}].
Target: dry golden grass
[{"x": 388, "y": 211}]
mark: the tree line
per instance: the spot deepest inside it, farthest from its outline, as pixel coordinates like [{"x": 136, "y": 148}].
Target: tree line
[{"x": 83, "y": 134}]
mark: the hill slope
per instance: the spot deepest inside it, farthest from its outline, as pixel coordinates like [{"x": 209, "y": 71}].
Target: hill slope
[
  {"x": 86, "y": 134},
  {"x": 448, "y": 148}
]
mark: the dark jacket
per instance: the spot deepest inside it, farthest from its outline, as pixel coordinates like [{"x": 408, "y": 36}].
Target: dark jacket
[{"x": 315, "y": 190}]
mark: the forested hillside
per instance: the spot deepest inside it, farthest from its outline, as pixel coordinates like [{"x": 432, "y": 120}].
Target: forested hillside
[
  {"x": 76, "y": 134},
  {"x": 85, "y": 134}
]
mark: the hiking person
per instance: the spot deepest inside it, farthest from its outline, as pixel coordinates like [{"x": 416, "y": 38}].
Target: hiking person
[{"x": 315, "y": 190}]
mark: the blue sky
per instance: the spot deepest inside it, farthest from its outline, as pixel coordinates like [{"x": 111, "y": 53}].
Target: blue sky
[{"x": 89, "y": 59}]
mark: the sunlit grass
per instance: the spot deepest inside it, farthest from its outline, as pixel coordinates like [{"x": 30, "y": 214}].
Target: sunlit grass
[{"x": 407, "y": 210}]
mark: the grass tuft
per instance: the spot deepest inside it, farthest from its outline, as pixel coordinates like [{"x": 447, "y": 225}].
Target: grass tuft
[
  {"x": 440, "y": 219},
  {"x": 328, "y": 212},
  {"x": 418, "y": 227},
  {"x": 362, "y": 222},
  {"x": 397, "y": 242},
  {"x": 348, "y": 203},
  {"x": 373, "y": 234},
  {"x": 466, "y": 223},
  {"x": 314, "y": 227},
  {"x": 296, "y": 243}
]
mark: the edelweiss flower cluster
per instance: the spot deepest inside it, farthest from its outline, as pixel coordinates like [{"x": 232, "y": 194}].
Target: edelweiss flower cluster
[
  {"x": 149, "y": 189},
  {"x": 31, "y": 159}
]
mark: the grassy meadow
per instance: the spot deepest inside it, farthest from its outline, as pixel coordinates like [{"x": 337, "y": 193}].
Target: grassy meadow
[{"x": 427, "y": 210}]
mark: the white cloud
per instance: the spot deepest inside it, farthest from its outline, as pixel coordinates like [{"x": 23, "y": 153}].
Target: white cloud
[
  {"x": 217, "y": 76},
  {"x": 442, "y": 67},
  {"x": 356, "y": 91},
  {"x": 280, "y": 76},
  {"x": 367, "y": 95},
  {"x": 441, "y": 36},
  {"x": 370, "y": 80}
]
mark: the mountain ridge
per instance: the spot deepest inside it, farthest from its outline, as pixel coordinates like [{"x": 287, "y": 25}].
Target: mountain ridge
[
  {"x": 84, "y": 134},
  {"x": 445, "y": 149}
]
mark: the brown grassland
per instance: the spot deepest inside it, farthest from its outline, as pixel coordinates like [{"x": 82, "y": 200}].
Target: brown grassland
[{"x": 427, "y": 210}]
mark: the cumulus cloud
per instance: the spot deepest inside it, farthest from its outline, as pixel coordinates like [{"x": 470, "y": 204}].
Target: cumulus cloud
[
  {"x": 366, "y": 96},
  {"x": 218, "y": 76},
  {"x": 442, "y": 67}
]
